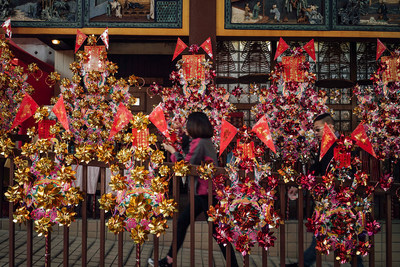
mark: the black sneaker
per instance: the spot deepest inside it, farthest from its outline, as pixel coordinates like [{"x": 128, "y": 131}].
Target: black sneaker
[
  {"x": 292, "y": 265},
  {"x": 161, "y": 263}
]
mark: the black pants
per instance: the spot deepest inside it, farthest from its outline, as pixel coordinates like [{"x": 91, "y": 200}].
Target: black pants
[{"x": 200, "y": 205}]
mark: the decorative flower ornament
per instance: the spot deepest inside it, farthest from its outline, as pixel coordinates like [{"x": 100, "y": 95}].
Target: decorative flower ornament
[{"x": 342, "y": 219}]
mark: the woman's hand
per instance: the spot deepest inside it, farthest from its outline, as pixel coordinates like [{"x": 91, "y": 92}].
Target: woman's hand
[{"x": 169, "y": 148}]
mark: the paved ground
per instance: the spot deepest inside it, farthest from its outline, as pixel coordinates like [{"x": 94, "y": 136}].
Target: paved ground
[
  {"x": 129, "y": 252},
  {"x": 93, "y": 253}
]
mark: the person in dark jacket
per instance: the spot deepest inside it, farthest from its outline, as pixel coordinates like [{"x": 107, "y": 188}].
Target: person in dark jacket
[
  {"x": 201, "y": 149},
  {"x": 320, "y": 167}
]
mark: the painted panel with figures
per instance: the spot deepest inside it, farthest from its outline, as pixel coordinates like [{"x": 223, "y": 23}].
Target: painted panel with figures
[
  {"x": 42, "y": 13},
  {"x": 134, "y": 13},
  {"x": 276, "y": 14},
  {"x": 370, "y": 15}
]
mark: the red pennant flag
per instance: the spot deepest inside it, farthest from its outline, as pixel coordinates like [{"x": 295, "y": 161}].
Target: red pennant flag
[
  {"x": 328, "y": 139},
  {"x": 7, "y": 27},
  {"x": 310, "y": 49},
  {"x": 80, "y": 39},
  {"x": 228, "y": 131},
  {"x": 122, "y": 118},
  {"x": 27, "y": 108},
  {"x": 180, "y": 46},
  {"x": 380, "y": 48},
  {"x": 157, "y": 117},
  {"x": 104, "y": 38},
  {"x": 140, "y": 138},
  {"x": 262, "y": 131},
  {"x": 44, "y": 129},
  {"x": 61, "y": 114},
  {"x": 282, "y": 46},
  {"x": 207, "y": 46},
  {"x": 360, "y": 136}
]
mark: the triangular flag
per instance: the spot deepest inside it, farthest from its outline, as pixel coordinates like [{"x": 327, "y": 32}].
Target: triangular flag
[
  {"x": 360, "y": 136},
  {"x": 228, "y": 131},
  {"x": 27, "y": 108},
  {"x": 282, "y": 46},
  {"x": 80, "y": 39},
  {"x": 262, "y": 131},
  {"x": 207, "y": 47},
  {"x": 104, "y": 38},
  {"x": 7, "y": 27},
  {"x": 61, "y": 114},
  {"x": 310, "y": 49},
  {"x": 122, "y": 118},
  {"x": 328, "y": 139},
  {"x": 180, "y": 46},
  {"x": 380, "y": 48},
  {"x": 157, "y": 117}
]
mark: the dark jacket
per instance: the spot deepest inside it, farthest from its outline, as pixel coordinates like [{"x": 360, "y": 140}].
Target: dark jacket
[{"x": 201, "y": 150}]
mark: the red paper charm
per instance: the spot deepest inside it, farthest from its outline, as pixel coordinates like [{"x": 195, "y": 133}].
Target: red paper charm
[
  {"x": 140, "y": 138},
  {"x": 44, "y": 129},
  {"x": 192, "y": 67},
  {"x": 80, "y": 39},
  {"x": 228, "y": 131},
  {"x": 292, "y": 72},
  {"x": 262, "y": 131},
  {"x": 94, "y": 63},
  {"x": 343, "y": 158},
  {"x": 122, "y": 118},
  {"x": 247, "y": 149},
  {"x": 180, "y": 46},
  {"x": 27, "y": 108},
  {"x": 157, "y": 117},
  {"x": 61, "y": 114},
  {"x": 391, "y": 72},
  {"x": 328, "y": 139},
  {"x": 360, "y": 136}
]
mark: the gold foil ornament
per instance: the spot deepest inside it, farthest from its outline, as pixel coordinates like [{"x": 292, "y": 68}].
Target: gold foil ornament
[{"x": 181, "y": 168}]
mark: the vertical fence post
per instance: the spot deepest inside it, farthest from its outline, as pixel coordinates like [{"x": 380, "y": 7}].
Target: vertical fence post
[
  {"x": 300, "y": 231},
  {"x": 137, "y": 255},
  {"x": 175, "y": 185},
  {"x": 102, "y": 218},
  {"x": 29, "y": 243},
  {"x": 156, "y": 250},
  {"x": 282, "y": 231},
  {"x": 372, "y": 238},
  {"x": 2, "y": 178},
  {"x": 11, "y": 225},
  {"x": 210, "y": 224},
  {"x": 84, "y": 214},
  {"x": 47, "y": 257},
  {"x": 120, "y": 249},
  {"x": 264, "y": 258},
  {"x": 192, "y": 219},
  {"x": 66, "y": 246},
  {"x": 388, "y": 230},
  {"x": 336, "y": 263}
]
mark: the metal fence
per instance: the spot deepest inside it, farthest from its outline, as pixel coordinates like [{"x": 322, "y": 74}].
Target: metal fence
[{"x": 387, "y": 198}]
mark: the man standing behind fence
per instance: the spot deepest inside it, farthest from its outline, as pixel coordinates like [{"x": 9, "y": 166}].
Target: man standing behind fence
[{"x": 320, "y": 167}]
